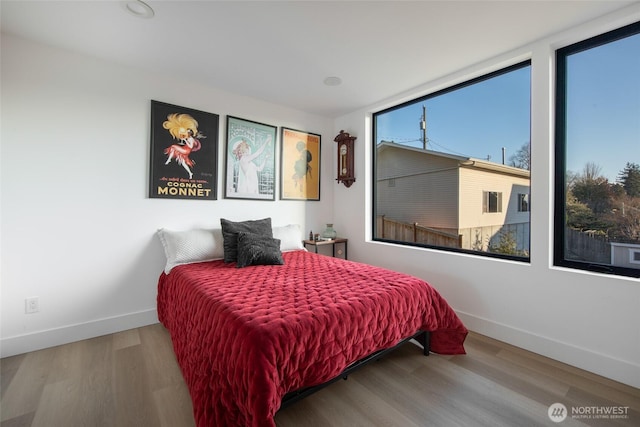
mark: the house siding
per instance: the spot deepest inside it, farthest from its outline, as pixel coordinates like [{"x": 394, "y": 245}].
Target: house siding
[
  {"x": 624, "y": 254},
  {"x": 444, "y": 192},
  {"x": 473, "y": 182},
  {"x": 478, "y": 228},
  {"x": 416, "y": 188}
]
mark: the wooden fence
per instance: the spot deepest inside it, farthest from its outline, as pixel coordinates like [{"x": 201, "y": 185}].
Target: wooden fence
[
  {"x": 407, "y": 232},
  {"x": 585, "y": 246}
]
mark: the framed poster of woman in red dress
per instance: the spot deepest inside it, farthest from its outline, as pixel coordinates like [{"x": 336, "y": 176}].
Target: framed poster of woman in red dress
[{"x": 184, "y": 150}]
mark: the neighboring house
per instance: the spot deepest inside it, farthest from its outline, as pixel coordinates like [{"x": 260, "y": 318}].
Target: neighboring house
[
  {"x": 474, "y": 199},
  {"x": 625, "y": 254}
]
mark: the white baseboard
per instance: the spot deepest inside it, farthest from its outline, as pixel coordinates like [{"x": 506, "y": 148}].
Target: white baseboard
[
  {"x": 601, "y": 364},
  {"x": 67, "y": 334}
]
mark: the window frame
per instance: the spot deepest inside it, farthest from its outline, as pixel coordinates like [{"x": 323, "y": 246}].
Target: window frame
[
  {"x": 486, "y": 202},
  {"x": 523, "y": 199},
  {"x": 524, "y": 259},
  {"x": 560, "y": 182}
]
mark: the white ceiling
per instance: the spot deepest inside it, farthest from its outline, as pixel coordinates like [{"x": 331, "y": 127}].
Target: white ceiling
[{"x": 282, "y": 51}]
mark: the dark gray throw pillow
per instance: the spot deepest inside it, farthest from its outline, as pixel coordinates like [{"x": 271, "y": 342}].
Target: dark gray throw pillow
[
  {"x": 230, "y": 230},
  {"x": 254, "y": 249}
]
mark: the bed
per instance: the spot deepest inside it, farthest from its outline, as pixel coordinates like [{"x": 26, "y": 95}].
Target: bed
[{"x": 245, "y": 338}]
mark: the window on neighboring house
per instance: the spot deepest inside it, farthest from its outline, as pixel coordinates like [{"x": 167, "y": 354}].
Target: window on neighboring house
[
  {"x": 435, "y": 156},
  {"x": 492, "y": 202},
  {"x": 523, "y": 202},
  {"x": 597, "y": 162}
]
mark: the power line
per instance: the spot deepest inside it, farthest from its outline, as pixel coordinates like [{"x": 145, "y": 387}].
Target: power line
[
  {"x": 400, "y": 140},
  {"x": 446, "y": 149},
  {"x": 429, "y": 140}
]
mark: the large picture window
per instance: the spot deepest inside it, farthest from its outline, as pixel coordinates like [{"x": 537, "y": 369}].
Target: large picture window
[
  {"x": 597, "y": 170},
  {"x": 449, "y": 167}
]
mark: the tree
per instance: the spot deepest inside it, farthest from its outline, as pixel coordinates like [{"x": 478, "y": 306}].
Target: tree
[
  {"x": 611, "y": 209},
  {"x": 629, "y": 177},
  {"x": 506, "y": 243},
  {"x": 591, "y": 171},
  {"x": 522, "y": 158},
  {"x": 592, "y": 189},
  {"x": 625, "y": 218},
  {"x": 581, "y": 217}
]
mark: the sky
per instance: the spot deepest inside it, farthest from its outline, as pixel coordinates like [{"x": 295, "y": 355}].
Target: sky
[
  {"x": 603, "y": 107},
  {"x": 603, "y": 119},
  {"x": 475, "y": 121}
]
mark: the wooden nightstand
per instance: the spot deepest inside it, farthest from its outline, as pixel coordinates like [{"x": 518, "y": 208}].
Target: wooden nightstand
[{"x": 342, "y": 246}]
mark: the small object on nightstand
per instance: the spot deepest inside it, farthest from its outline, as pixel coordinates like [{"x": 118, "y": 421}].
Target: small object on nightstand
[
  {"x": 341, "y": 250},
  {"x": 329, "y": 233},
  {"x": 310, "y": 235}
]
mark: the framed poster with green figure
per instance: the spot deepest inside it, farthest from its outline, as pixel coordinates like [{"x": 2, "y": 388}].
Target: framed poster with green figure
[{"x": 250, "y": 160}]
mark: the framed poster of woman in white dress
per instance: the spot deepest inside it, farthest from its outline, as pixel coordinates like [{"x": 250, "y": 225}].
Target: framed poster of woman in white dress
[{"x": 250, "y": 160}]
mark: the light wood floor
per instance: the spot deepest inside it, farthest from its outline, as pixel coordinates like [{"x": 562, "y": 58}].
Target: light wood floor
[{"x": 131, "y": 379}]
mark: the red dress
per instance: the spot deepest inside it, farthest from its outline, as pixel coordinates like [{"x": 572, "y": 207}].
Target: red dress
[{"x": 181, "y": 152}]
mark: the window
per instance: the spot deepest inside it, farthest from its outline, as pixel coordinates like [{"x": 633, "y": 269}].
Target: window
[
  {"x": 597, "y": 162},
  {"x": 436, "y": 157},
  {"x": 492, "y": 201},
  {"x": 523, "y": 202}
]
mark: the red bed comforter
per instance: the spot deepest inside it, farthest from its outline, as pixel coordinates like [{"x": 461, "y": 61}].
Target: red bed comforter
[{"x": 245, "y": 337}]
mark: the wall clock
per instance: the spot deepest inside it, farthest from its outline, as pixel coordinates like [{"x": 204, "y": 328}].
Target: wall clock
[{"x": 346, "y": 173}]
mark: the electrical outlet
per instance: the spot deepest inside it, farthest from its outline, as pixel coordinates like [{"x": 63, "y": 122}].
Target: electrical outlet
[{"x": 31, "y": 305}]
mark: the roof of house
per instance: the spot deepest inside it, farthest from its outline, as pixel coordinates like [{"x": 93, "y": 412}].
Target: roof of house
[{"x": 463, "y": 161}]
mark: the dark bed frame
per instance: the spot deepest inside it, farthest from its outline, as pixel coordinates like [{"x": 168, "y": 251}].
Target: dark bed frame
[{"x": 423, "y": 337}]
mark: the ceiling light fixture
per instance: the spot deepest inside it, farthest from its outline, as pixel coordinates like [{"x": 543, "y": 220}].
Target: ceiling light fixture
[
  {"x": 138, "y": 9},
  {"x": 332, "y": 81}
]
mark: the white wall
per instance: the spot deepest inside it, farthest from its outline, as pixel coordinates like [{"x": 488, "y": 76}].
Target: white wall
[
  {"x": 77, "y": 228},
  {"x": 584, "y": 319}
]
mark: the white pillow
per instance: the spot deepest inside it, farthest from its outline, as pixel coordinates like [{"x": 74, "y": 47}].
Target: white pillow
[
  {"x": 186, "y": 247},
  {"x": 290, "y": 237}
]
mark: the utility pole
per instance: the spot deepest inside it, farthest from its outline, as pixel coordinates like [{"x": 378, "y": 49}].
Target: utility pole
[{"x": 423, "y": 127}]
